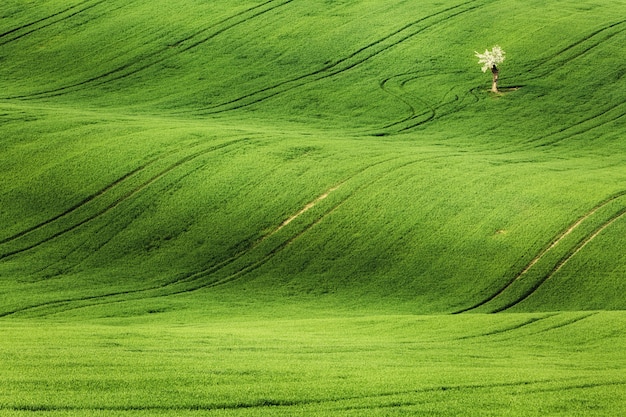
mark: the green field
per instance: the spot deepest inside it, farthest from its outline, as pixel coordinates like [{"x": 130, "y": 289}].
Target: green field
[{"x": 291, "y": 207}]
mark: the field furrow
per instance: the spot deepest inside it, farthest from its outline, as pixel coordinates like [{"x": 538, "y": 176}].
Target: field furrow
[
  {"x": 557, "y": 242},
  {"x": 44, "y": 22},
  {"x": 343, "y": 65},
  {"x": 15, "y": 245},
  {"x": 151, "y": 59}
]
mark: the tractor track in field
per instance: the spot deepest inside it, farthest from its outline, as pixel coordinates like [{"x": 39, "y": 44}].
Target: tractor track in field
[
  {"x": 197, "y": 276},
  {"x": 536, "y": 70},
  {"x": 271, "y": 253},
  {"x": 39, "y": 24},
  {"x": 456, "y": 102},
  {"x": 428, "y": 114},
  {"x": 106, "y": 298},
  {"x": 431, "y": 111},
  {"x": 532, "y": 385},
  {"x": 611, "y": 114},
  {"x": 565, "y": 56},
  {"x": 346, "y": 63},
  {"x": 338, "y": 403},
  {"x": 554, "y": 243},
  {"x": 197, "y": 281},
  {"x": 556, "y": 61},
  {"x": 531, "y": 321},
  {"x": 65, "y": 258},
  {"x": 125, "y": 197},
  {"x": 77, "y": 206},
  {"x": 603, "y": 118},
  {"x": 159, "y": 56},
  {"x": 564, "y": 260},
  {"x": 508, "y": 329},
  {"x": 415, "y": 119},
  {"x": 338, "y": 67},
  {"x": 308, "y": 227},
  {"x": 566, "y": 323}
]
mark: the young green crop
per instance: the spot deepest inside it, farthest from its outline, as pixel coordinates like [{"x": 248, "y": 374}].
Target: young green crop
[
  {"x": 239, "y": 209},
  {"x": 361, "y": 365}
]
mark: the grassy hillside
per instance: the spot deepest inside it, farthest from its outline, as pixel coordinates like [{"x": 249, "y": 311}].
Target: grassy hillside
[
  {"x": 156, "y": 149},
  {"x": 312, "y": 179}
]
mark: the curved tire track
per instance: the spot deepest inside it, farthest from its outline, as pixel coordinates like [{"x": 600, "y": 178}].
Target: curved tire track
[
  {"x": 564, "y": 260},
  {"x": 154, "y": 58},
  {"x": 198, "y": 280},
  {"x": 547, "y": 249},
  {"x": 332, "y": 404},
  {"x": 433, "y": 112},
  {"x": 596, "y": 121},
  {"x": 564, "y": 56},
  {"x": 58, "y": 17},
  {"x": 508, "y": 329},
  {"x": 77, "y": 205},
  {"x": 562, "y": 60},
  {"x": 107, "y": 208},
  {"x": 344, "y": 64},
  {"x": 429, "y": 114}
]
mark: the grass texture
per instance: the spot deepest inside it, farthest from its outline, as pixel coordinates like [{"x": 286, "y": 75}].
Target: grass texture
[{"x": 326, "y": 188}]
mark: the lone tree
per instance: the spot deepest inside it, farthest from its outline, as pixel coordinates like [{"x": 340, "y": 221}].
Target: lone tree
[{"x": 490, "y": 59}]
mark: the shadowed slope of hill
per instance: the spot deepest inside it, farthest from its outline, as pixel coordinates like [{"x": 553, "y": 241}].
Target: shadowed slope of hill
[{"x": 340, "y": 152}]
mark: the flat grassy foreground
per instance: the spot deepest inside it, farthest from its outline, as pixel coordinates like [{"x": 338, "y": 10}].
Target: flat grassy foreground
[
  {"x": 311, "y": 208},
  {"x": 565, "y": 364}
]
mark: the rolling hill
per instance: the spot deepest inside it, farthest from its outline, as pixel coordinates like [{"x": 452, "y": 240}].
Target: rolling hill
[
  {"x": 172, "y": 161},
  {"x": 158, "y": 149}
]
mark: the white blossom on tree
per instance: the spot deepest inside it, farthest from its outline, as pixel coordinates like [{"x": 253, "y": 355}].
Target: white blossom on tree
[{"x": 490, "y": 60}]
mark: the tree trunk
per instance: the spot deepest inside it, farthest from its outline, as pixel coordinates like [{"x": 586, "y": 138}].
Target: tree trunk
[{"x": 494, "y": 85}]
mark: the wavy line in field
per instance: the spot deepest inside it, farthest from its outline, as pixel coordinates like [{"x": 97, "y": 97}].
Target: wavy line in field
[
  {"x": 319, "y": 219},
  {"x": 581, "y": 386},
  {"x": 82, "y": 203},
  {"x": 340, "y": 66},
  {"x": 533, "y": 385},
  {"x": 282, "y": 405},
  {"x": 154, "y": 58},
  {"x": 256, "y": 265},
  {"x": 604, "y": 116},
  {"x": 109, "y": 207},
  {"x": 549, "y": 327},
  {"x": 308, "y": 227},
  {"x": 67, "y": 262},
  {"x": 523, "y": 324},
  {"x": 611, "y": 114},
  {"x": 78, "y": 205},
  {"x": 454, "y": 103},
  {"x": 566, "y": 323},
  {"x": 197, "y": 281},
  {"x": 188, "y": 279},
  {"x": 429, "y": 113},
  {"x": 346, "y": 63},
  {"x": 433, "y": 112},
  {"x": 555, "y": 242},
  {"x": 306, "y": 208},
  {"x": 89, "y": 198},
  {"x": 556, "y": 61},
  {"x": 533, "y": 73},
  {"x": 57, "y": 17},
  {"x": 564, "y": 260}
]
